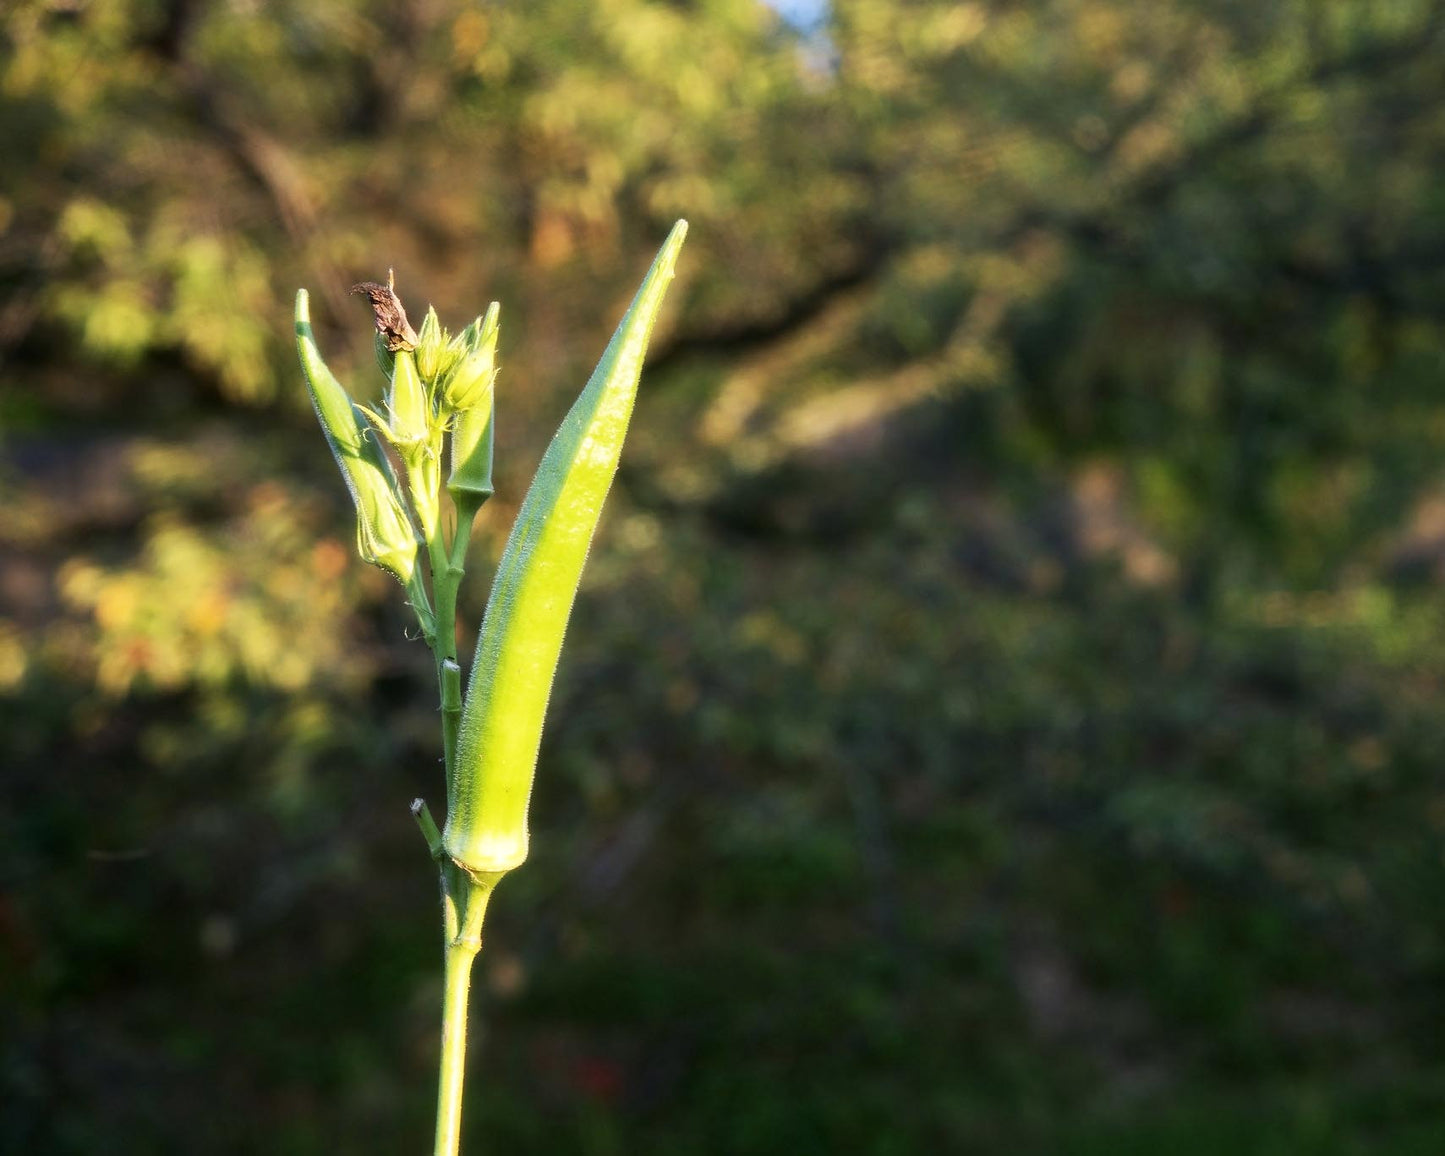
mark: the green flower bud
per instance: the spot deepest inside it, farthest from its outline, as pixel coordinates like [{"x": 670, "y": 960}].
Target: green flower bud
[
  {"x": 385, "y": 536},
  {"x": 469, "y": 384},
  {"x": 470, "y": 482},
  {"x": 468, "y": 338},
  {"x": 520, "y": 641},
  {"x": 431, "y": 347},
  {"x": 384, "y": 533},
  {"x": 409, "y": 403}
]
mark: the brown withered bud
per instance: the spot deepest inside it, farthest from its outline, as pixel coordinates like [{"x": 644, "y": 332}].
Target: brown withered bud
[{"x": 391, "y": 320}]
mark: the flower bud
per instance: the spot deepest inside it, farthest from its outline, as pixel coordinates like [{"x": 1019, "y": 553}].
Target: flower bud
[
  {"x": 430, "y": 347},
  {"x": 469, "y": 384},
  {"x": 409, "y": 403},
  {"x": 384, "y": 533},
  {"x": 385, "y": 536},
  {"x": 470, "y": 482}
]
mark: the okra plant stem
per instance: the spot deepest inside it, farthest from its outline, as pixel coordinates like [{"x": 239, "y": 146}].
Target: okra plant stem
[
  {"x": 464, "y": 900},
  {"x": 454, "y": 1049},
  {"x": 464, "y": 903},
  {"x": 440, "y": 398},
  {"x": 448, "y": 567}
]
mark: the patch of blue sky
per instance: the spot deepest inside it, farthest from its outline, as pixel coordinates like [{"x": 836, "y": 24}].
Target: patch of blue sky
[{"x": 804, "y": 15}]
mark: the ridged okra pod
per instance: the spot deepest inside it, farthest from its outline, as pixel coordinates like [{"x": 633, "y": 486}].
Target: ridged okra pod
[{"x": 536, "y": 582}]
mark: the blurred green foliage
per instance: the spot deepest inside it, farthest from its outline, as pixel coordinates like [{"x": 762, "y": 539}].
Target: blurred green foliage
[{"x": 1003, "y": 713}]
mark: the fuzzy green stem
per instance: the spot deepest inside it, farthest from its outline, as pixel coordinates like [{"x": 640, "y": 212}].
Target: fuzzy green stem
[
  {"x": 448, "y": 566},
  {"x": 451, "y": 680},
  {"x": 423, "y": 475},
  {"x": 464, "y": 896},
  {"x": 417, "y": 596},
  {"x": 468, "y": 504},
  {"x": 422, "y": 814},
  {"x": 464, "y": 900},
  {"x": 446, "y": 577},
  {"x": 454, "y": 1050}
]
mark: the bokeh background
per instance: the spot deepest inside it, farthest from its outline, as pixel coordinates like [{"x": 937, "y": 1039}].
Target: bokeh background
[{"x": 1005, "y": 708}]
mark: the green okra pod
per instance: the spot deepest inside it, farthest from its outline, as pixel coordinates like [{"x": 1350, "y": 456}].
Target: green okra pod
[{"x": 521, "y": 635}]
